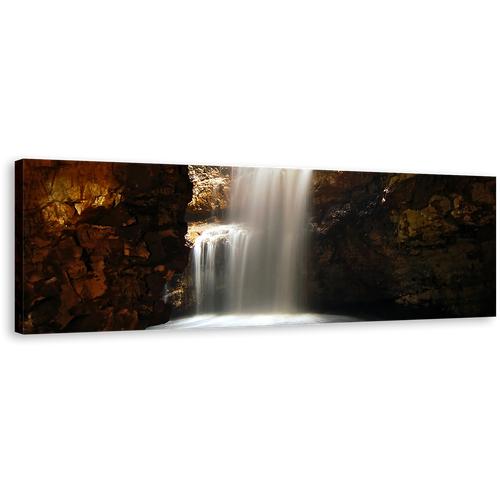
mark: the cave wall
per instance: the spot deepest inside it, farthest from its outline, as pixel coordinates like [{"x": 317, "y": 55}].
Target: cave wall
[
  {"x": 423, "y": 245},
  {"x": 96, "y": 242}
]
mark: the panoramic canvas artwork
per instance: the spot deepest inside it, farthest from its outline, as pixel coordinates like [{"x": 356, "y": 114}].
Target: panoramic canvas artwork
[{"x": 104, "y": 246}]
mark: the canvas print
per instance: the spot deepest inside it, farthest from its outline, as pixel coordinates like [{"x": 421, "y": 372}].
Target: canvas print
[{"x": 104, "y": 246}]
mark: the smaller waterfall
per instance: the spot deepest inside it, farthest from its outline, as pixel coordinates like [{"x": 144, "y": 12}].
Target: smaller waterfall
[{"x": 219, "y": 257}]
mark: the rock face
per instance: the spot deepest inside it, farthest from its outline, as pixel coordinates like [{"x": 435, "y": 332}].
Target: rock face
[
  {"x": 211, "y": 188},
  {"x": 404, "y": 245},
  {"x": 96, "y": 242}
]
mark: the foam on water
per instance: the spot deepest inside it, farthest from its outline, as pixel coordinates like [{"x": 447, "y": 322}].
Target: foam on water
[{"x": 246, "y": 320}]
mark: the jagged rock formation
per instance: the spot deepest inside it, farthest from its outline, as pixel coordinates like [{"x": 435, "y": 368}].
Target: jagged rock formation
[
  {"x": 406, "y": 245},
  {"x": 211, "y": 188},
  {"x": 96, "y": 242}
]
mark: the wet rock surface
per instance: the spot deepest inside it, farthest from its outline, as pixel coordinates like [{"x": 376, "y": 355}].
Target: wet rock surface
[
  {"x": 404, "y": 245},
  {"x": 96, "y": 242}
]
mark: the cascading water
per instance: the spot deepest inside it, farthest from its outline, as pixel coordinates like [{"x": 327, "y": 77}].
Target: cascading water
[
  {"x": 256, "y": 262},
  {"x": 251, "y": 270},
  {"x": 218, "y": 263}
]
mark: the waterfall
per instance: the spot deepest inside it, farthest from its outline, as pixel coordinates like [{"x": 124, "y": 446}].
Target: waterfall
[{"x": 255, "y": 263}]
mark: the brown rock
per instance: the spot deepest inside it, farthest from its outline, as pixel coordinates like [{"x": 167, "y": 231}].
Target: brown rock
[
  {"x": 86, "y": 319},
  {"x": 169, "y": 274},
  {"x": 39, "y": 254},
  {"x": 398, "y": 191},
  {"x": 79, "y": 287},
  {"x": 71, "y": 299},
  {"x": 155, "y": 247},
  {"x": 43, "y": 312},
  {"x": 483, "y": 192},
  {"x": 62, "y": 319},
  {"x": 95, "y": 285},
  {"x": 75, "y": 270},
  {"x": 48, "y": 288},
  {"x": 98, "y": 266},
  {"x": 131, "y": 221},
  {"x": 155, "y": 283},
  {"x": 68, "y": 251},
  {"x": 211, "y": 191},
  {"x": 40, "y": 242},
  {"x": 161, "y": 313},
  {"x": 124, "y": 320},
  {"x": 35, "y": 276},
  {"x": 141, "y": 250}
]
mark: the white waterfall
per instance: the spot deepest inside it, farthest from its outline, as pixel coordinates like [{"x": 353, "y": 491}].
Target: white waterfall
[
  {"x": 256, "y": 262},
  {"x": 219, "y": 256}
]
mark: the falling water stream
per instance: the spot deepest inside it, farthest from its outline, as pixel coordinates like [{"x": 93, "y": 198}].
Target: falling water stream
[
  {"x": 256, "y": 262},
  {"x": 251, "y": 270}
]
